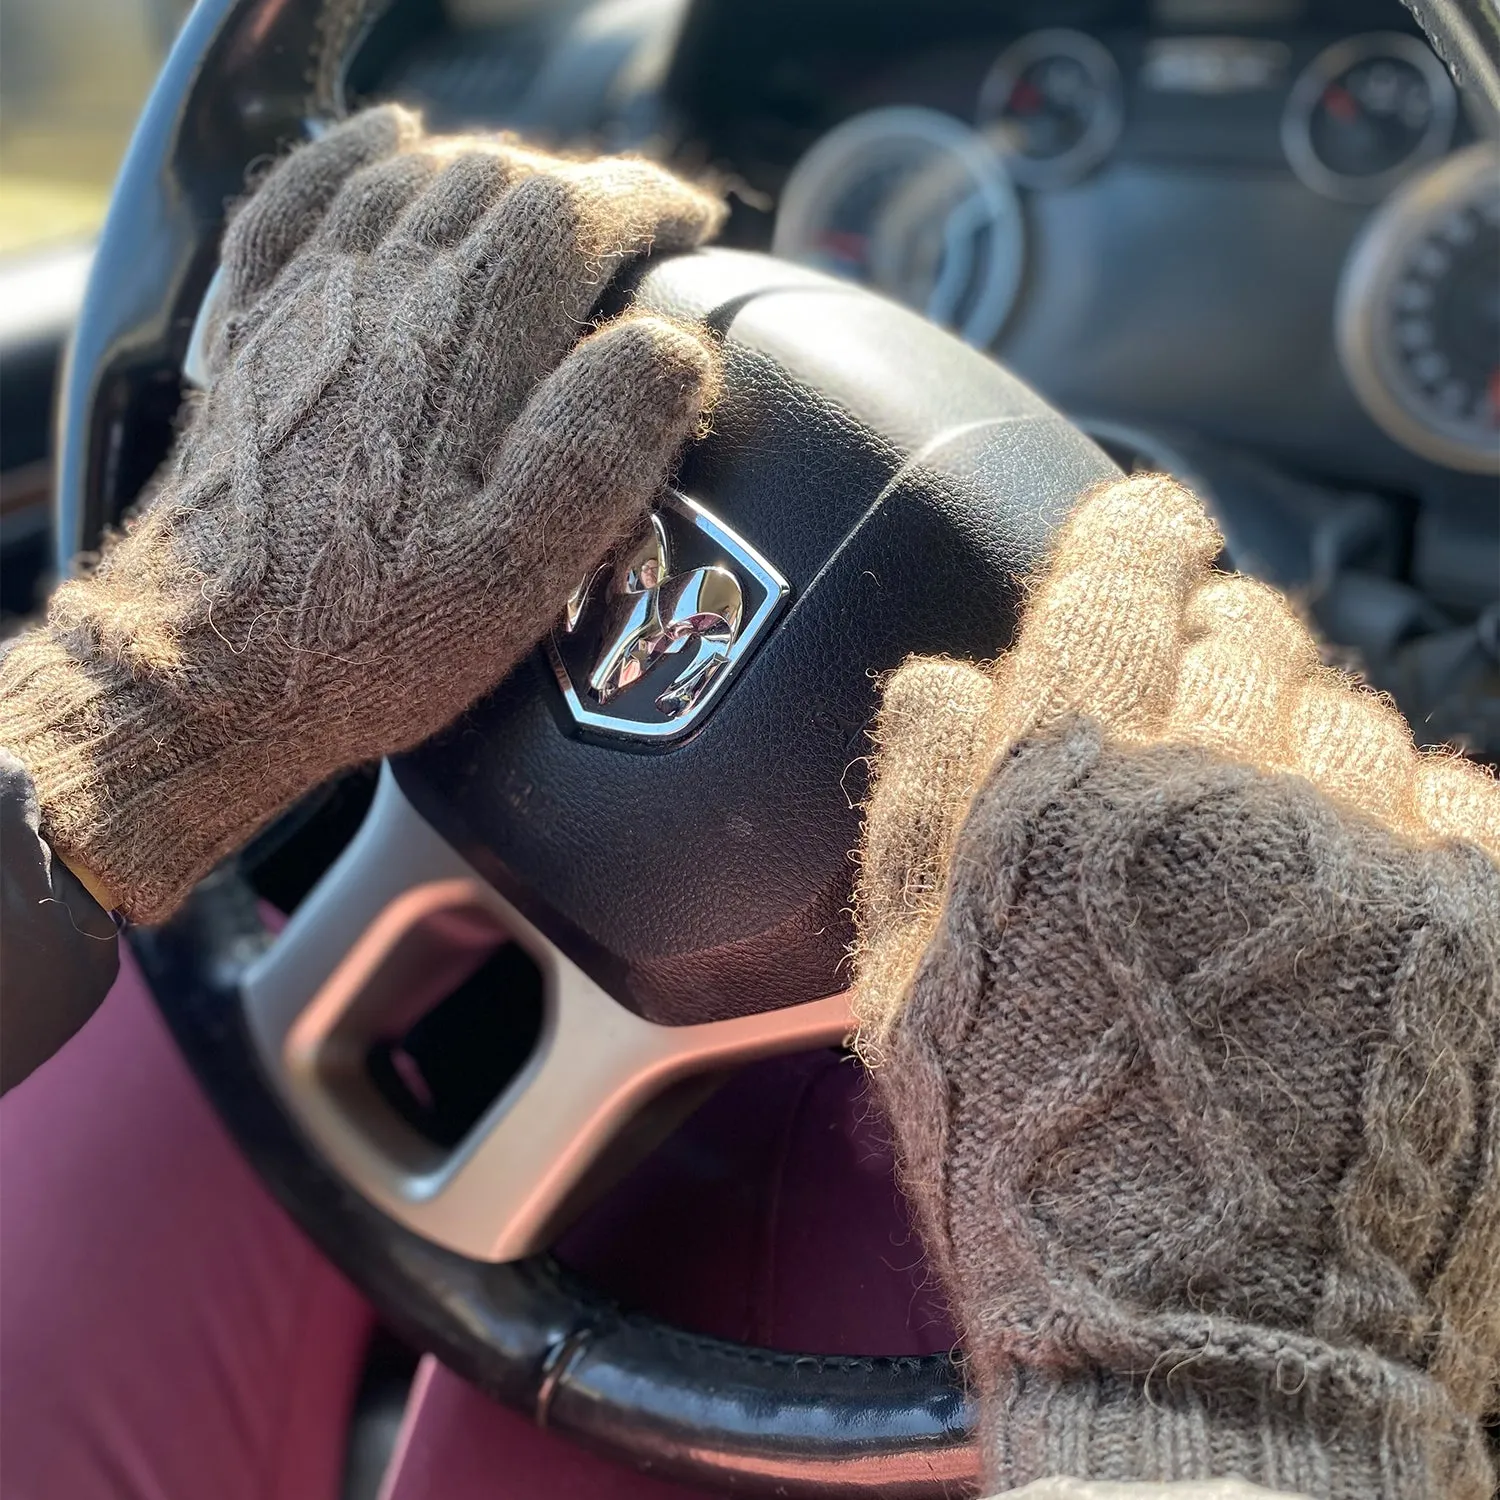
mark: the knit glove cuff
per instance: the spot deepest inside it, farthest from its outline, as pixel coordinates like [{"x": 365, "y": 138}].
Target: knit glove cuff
[
  {"x": 139, "y": 794},
  {"x": 1195, "y": 1090},
  {"x": 1234, "y": 1400}
]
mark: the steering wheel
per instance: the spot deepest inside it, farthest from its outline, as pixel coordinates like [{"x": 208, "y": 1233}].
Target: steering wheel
[{"x": 672, "y": 860}]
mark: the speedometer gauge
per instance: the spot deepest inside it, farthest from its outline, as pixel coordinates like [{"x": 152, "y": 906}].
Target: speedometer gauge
[
  {"x": 1419, "y": 313},
  {"x": 1365, "y": 112},
  {"x": 914, "y": 204},
  {"x": 1052, "y": 103}
]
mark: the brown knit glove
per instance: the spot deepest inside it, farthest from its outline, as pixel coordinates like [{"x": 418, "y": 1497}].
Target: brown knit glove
[
  {"x": 1180, "y": 972},
  {"x": 406, "y": 461}
]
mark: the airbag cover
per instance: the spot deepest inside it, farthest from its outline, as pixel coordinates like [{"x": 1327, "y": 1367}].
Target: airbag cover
[{"x": 902, "y": 484}]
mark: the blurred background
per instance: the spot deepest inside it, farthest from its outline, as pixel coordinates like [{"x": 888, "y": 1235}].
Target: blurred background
[
  {"x": 1174, "y": 196},
  {"x": 73, "y": 77}
]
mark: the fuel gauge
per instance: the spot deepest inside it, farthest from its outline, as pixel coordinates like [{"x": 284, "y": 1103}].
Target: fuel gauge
[
  {"x": 1365, "y": 112},
  {"x": 1051, "y": 104}
]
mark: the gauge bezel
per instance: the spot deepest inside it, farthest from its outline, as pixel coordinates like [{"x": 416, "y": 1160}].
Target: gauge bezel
[
  {"x": 1378, "y": 258},
  {"x": 1104, "y": 130},
  {"x": 807, "y": 190},
  {"x": 1296, "y": 114}
]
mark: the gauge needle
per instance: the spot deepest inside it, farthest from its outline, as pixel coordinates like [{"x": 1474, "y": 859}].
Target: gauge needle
[
  {"x": 1340, "y": 103},
  {"x": 845, "y": 246},
  {"x": 1026, "y": 97},
  {"x": 957, "y": 266}
]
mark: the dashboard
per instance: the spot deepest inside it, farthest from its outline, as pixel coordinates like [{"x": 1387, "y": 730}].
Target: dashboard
[
  {"x": 926, "y": 206},
  {"x": 1156, "y": 208},
  {"x": 1256, "y": 242}
]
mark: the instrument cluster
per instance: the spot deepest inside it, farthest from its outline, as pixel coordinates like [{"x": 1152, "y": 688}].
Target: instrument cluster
[
  {"x": 1419, "y": 313},
  {"x": 930, "y": 205}
]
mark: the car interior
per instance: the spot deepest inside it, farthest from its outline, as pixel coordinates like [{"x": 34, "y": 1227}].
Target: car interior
[{"x": 505, "y": 1059}]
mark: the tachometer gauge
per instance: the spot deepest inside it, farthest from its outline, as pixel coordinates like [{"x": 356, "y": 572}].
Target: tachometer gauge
[
  {"x": 914, "y": 204},
  {"x": 1052, "y": 104},
  {"x": 1365, "y": 112},
  {"x": 1419, "y": 313}
]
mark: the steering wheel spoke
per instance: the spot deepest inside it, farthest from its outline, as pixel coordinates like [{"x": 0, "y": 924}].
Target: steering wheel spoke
[{"x": 396, "y": 925}]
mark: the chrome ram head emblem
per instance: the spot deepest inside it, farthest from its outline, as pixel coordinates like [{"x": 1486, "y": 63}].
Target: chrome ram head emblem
[
  {"x": 650, "y": 641},
  {"x": 650, "y": 612}
]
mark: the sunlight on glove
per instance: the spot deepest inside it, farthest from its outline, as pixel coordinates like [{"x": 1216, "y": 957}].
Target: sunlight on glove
[
  {"x": 406, "y": 461},
  {"x": 1133, "y": 627},
  {"x": 1079, "y": 1489}
]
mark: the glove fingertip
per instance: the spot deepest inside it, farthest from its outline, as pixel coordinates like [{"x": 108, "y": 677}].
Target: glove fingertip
[
  {"x": 1156, "y": 525},
  {"x": 672, "y": 371},
  {"x": 1455, "y": 798},
  {"x": 1354, "y": 746},
  {"x": 930, "y": 736},
  {"x": 285, "y": 207}
]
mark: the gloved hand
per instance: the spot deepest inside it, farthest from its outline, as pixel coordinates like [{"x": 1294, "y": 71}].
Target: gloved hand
[
  {"x": 1180, "y": 976},
  {"x": 406, "y": 461}
]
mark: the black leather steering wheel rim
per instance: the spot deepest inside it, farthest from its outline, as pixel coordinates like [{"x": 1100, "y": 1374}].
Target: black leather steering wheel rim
[
  {"x": 531, "y": 1334},
  {"x": 243, "y": 81}
]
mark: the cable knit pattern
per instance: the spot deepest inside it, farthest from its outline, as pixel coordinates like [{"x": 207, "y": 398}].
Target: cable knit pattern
[
  {"x": 1184, "y": 1000},
  {"x": 405, "y": 461},
  {"x": 1132, "y": 627},
  {"x": 1197, "y": 1086}
]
